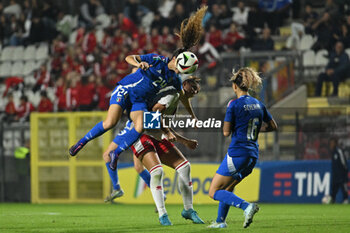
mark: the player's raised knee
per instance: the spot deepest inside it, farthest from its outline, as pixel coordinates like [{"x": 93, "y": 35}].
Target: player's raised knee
[{"x": 212, "y": 193}]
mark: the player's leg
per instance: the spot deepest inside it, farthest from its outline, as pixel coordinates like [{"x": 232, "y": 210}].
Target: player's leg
[
  {"x": 130, "y": 136},
  {"x": 344, "y": 189},
  {"x": 229, "y": 174},
  {"x": 172, "y": 157},
  {"x": 113, "y": 116},
  {"x": 113, "y": 174},
  {"x": 152, "y": 163},
  {"x": 223, "y": 211},
  {"x": 144, "y": 174}
]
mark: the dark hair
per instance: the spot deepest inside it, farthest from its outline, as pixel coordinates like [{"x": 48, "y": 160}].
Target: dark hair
[
  {"x": 43, "y": 94},
  {"x": 25, "y": 98},
  {"x": 191, "y": 31}
]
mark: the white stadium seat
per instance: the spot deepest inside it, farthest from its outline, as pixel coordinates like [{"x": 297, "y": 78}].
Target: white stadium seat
[
  {"x": 321, "y": 58},
  {"x": 5, "y": 69},
  {"x": 29, "y": 67},
  {"x": 17, "y": 69},
  {"x": 99, "y": 35},
  {"x": 29, "y": 80},
  {"x": 72, "y": 37},
  {"x": 42, "y": 52},
  {"x": 306, "y": 42},
  {"x": 7, "y": 53},
  {"x": 103, "y": 21},
  {"x": 348, "y": 52},
  {"x": 309, "y": 58},
  {"x": 18, "y": 53},
  {"x": 29, "y": 53},
  {"x": 309, "y": 62}
]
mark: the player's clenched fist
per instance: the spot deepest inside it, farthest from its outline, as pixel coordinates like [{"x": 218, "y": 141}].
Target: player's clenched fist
[{"x": 144, "y": 65}]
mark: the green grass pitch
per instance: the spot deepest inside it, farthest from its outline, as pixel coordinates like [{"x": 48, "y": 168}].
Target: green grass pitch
[{"x": 141, "y": 218}]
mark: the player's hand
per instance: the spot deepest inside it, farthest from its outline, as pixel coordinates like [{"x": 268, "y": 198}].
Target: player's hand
[
  {"x": 171, "y": 137},
  {"x": 144, "y": 65},
  {"x": 191, "y": 144}
]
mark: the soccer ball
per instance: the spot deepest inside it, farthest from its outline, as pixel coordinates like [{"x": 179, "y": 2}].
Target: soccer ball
[
  {"x": 326, "y": 199},
  {"x": 186, "y": 62}
]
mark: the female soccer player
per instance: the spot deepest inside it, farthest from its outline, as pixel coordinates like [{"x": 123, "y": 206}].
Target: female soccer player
[
  {"x": 151, "y": 152},
  {"x": 155, "y": 73},
  {"x": 244, "y": 120}
]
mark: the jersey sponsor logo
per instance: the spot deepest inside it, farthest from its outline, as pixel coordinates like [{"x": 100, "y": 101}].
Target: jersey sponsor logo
[{"x": 151, "y": 120}]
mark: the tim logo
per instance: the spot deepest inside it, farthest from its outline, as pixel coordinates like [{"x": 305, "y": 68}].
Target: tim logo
[
  {"x": 282, "y": 184},
  {"x": 151, "y": 120}
]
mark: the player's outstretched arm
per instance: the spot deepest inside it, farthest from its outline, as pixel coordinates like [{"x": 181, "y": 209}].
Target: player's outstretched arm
[
  {"x": 187, "y": 103},
  {"x": 189, "y": 143},
  {"x": 269, "y": 126}
]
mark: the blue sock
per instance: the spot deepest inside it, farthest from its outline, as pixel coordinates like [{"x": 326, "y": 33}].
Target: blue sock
[
  {"x": 146, "y": 177},
  {"x": 125, "y": 140},
  {"x": 96, "y": 131},
  {"x": 114, "y": 177},
  {"x": 230, "y": 198},
  {"x": 222, "y": 212}
]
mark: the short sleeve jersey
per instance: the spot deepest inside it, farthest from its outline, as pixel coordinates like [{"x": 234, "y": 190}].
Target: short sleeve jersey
[
  {"x": 246, "y": 115},
  {"x": 145, "y": 84}
]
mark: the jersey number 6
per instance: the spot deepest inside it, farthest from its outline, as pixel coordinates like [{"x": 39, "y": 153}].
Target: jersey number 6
[{"x": 252, "y": 131}]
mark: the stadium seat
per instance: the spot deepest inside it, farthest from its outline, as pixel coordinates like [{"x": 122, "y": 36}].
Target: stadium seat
[
  {"x": 18, "y": 53},
  {"x": 17, "y": 69},
  {"x": 29, "y": 67},
  {"x": 309, "y": 58},
  {"x": 308, "y": 62},
  {"x": 72, "y": 37},
  {"x": 51, "y": 93},
  {"x": 306, "y": 42},
  {"x": 348, "y": 52},
  {"x": 42, "y": 52},
  {"x": 29, "y": 53},
  {"x": 103, "y": 21},
  {"x": 99, "y": 35},
  {"x": 5, "y": 69},
  {"x": 7, "y": 53},
  {"x": 38, "y": 64},
  {"x": 321, "y": 58},
  {"x": 29, "y": 81}
]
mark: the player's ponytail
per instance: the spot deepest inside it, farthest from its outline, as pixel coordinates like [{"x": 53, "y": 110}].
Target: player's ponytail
[
  {"x": 191, "y": 31},
  {"x": 246, "y": 78}
]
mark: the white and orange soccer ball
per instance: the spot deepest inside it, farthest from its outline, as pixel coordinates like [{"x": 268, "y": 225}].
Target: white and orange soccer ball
[{"x": 187, "y": 62}]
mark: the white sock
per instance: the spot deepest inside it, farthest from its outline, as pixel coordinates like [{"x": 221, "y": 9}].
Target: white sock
[
  {"x": 185, "y": 184},
  {"x": 156, "y": 186}
]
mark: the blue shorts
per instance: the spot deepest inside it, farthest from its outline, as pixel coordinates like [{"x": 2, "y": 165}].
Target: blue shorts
[
  {"x": 120, "y": 96},
  {"x": 237, "y": 167}
]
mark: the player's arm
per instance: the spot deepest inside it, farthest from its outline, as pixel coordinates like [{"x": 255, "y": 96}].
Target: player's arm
[
  {"x": 189, "y": 143},
  {"x": 229, "y": 118},
  {"x": 135, "y": 60},
  {"x": 269, "y": 126},
  {"x": 187, "y": 103},
  {"x": 227, "y": 128},
  {"x": 169, "y": 134}
]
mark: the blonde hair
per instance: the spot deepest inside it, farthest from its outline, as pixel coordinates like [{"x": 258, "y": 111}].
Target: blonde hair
[{"x": 246, "y": 79}]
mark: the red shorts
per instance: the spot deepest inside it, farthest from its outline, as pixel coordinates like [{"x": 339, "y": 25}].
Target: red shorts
[{"x": 147, "y": 143}]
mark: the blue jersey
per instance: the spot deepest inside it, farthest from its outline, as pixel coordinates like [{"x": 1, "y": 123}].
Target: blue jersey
[
  {"x": 246, "y": 115},
  {"x": 143, "y": 85}
]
